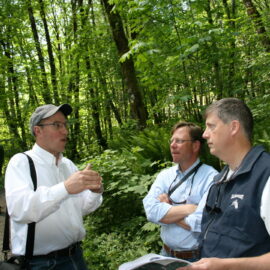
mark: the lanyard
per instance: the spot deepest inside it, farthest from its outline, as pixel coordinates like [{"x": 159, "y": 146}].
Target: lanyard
[{"x": 195, "y": 169}]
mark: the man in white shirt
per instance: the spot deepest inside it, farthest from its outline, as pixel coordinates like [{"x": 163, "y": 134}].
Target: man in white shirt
[
  {"x": 63, "y": 195},
  {"x": 236, "y": 219}
]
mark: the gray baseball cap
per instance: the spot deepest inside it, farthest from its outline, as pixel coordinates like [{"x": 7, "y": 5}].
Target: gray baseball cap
[{"x": 46, "y": 111}]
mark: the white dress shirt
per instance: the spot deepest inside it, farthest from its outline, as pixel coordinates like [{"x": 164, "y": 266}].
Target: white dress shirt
[{"x": 58, "y": 214}]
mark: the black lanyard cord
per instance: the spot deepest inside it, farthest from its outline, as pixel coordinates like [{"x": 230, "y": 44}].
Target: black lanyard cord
[{"x": 194, "y": 170}]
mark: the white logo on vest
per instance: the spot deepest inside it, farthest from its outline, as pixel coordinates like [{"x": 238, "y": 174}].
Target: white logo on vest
[{"x": 235, "y": 202}]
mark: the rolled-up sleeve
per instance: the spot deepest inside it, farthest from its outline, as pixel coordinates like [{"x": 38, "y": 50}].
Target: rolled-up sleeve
[
  {"x": 194, "y": 219},
  {"x": 154, "y": 209}
]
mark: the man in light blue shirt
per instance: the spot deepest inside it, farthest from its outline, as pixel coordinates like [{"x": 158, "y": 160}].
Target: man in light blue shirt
[{"x": 177, "y": 197}]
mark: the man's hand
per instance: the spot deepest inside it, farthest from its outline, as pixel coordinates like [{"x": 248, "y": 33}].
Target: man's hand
[
  {"x": 183, "y": 224},
  {"x": 207, "y": 264},
  {"x": 82, "y": 180},
  {"x": 164, "y": 198}
]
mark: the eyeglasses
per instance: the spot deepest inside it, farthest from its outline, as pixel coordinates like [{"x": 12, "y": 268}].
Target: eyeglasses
[
  {"x": 213, "y": 206},
  {"x": 179, "y": 141},
  {"x": 56, "y": 125}
]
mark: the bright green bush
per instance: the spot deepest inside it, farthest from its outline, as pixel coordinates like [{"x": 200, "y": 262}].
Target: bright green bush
[{"x": 116, "y": 232}]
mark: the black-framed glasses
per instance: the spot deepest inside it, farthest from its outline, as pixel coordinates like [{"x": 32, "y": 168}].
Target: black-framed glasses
[
  {"x": 179, "y": 141},
  {"x": 57, "y": 125}
]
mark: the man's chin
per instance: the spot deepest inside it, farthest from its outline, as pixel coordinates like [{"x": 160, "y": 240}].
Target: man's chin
[
  {"x": 214, "y": 152},
  {"x": 175, "y": 160}
]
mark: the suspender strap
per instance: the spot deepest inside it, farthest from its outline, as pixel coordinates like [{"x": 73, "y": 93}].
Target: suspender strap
[
  {"x": 5, "y": 248},
  {"x": 194, "y": 170},
  {"x": 31, "y": 227}
]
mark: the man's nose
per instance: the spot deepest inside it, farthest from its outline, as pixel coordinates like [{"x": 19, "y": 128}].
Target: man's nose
[
  {"x": 205, "y": 134},
  {"x": 173, "y": 144},
  {"x": 64, "y": 130}
]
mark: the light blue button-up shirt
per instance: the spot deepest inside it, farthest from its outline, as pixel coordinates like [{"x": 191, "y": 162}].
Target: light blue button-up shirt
[{"x": 174, "y": 236}]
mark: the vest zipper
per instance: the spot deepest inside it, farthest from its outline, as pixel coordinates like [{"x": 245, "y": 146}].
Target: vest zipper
[{"x": 207, "y": 228}]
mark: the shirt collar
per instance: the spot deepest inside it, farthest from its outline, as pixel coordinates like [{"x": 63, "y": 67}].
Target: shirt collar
[
  {"x": 188, "y": 170},
  {"x": 45, "y": 155},
  {"x": 246, "y": 165}
]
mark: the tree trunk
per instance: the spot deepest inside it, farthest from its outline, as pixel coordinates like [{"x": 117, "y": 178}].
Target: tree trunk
[
  {"x": 216, "y": 65},
  {"x": 50, "y": 53},
  {"x": 74, "y": 91},
  {"x": 95, "y": 108},
  {"x": 138, "y": 109},
  {"x": 231, "y": 74},
  {"x": 45, "y": 91},
  {"x": 255, "y": 16},
  {"x": 10, "y": 103}
]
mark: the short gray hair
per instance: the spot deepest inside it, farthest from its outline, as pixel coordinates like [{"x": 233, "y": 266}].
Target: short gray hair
[{"x": 229, "y": 109}]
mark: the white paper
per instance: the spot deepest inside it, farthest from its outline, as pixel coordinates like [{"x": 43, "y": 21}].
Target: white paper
[{"x": 149, "y": 258}]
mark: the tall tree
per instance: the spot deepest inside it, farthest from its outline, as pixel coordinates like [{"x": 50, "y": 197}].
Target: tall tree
[
  {"x": 50, "y": 53},
  {"x": 138, "y": 108},
  {"x": 257, "y": 20},
  {"x": 45, "y": 87}
]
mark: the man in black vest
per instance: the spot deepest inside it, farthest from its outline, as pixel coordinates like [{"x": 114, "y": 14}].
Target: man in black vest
[{"x": 236, "y": 219}]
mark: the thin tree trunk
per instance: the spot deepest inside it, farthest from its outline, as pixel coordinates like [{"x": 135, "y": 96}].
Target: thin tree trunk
[
  {"x": 94, "y": 99},
  {"x": 74, "y": 91},
  {"x": 12, "y": 108},
  {"x": 138, "y": 109},
  {"x": 231, "y": 75},
  {"x": 255, "y": 16},
  {"x": 7, "y": 103},
  {"x": 216, "y": 65},
  {"x": 95, "y": 108},
  {"x": 50, "y": 53},
  {"x": 45, "y": 91}
]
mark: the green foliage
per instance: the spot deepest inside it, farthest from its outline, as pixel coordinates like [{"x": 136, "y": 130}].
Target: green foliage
[
  {"x": 108, "y": 251},
  {"x": 124, "y": 188},
  {"x": 185, "y": 54},
  {"x": 121, "y": 230},
  {"x": 150, "y": 147},
  {"x": 261, "y": 112},
  {"x": 2, "y": 179}
]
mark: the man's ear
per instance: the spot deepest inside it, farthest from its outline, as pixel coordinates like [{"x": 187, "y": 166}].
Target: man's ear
[
  {"x": 36, "y": 130},
  {"x": 235, "y": 127}
]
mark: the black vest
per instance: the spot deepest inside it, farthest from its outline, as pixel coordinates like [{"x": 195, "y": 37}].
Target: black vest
[{"x": 231, "y": 223}]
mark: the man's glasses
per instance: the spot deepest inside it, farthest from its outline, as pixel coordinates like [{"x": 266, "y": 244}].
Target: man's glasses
[
  {"x": 179, "y": 141},
  {"x": 214, "y": 205},
  {"x": 57, "y": 125}
]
